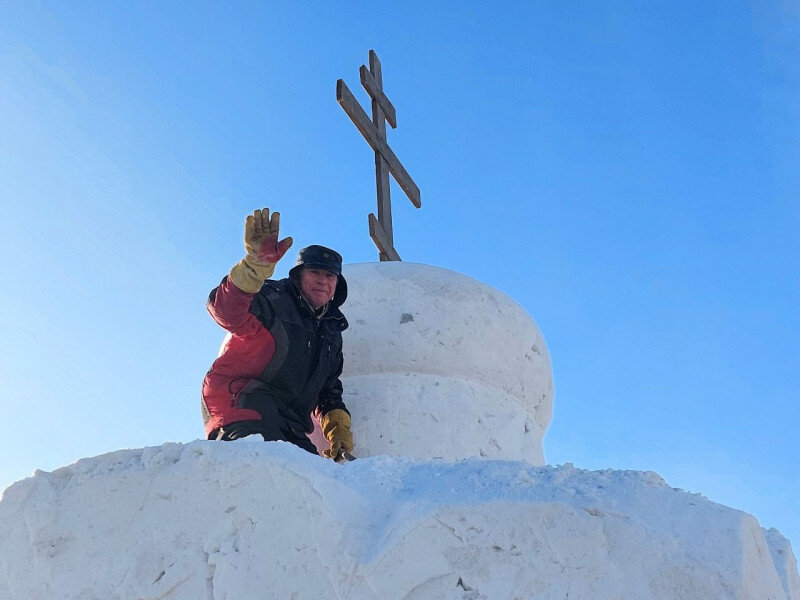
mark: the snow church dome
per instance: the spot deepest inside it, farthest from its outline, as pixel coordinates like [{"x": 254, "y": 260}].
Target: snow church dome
[{"x": 437, "y": 364}]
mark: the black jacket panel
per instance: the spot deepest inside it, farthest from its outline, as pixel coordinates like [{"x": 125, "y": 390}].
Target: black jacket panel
[{"x": 303, "y": 375}]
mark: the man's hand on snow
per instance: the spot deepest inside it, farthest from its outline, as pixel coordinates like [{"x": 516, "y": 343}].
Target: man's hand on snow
[
  {"x": 263, "y": 251},
  {"x": 336, "y": 427}
]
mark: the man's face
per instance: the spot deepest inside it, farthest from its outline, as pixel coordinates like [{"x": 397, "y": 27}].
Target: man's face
[{"x": 317, "y": 285}]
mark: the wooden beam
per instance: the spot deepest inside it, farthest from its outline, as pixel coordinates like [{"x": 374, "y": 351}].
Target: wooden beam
[
  {"x": 381, "y": 168},
  {"x": 376, "y": 93},
  {"x": 378, "y": 236},
  {"x": 364, "y": 124}
]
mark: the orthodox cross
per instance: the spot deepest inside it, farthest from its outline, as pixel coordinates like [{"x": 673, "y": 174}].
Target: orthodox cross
[{"x": 374, "y": 131}]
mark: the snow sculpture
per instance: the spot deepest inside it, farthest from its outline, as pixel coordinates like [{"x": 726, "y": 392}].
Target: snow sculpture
[
  {"x": 440, "y": 365},
  {"x": 437, "y": 364},
  {"x": 246, "y": 520}
]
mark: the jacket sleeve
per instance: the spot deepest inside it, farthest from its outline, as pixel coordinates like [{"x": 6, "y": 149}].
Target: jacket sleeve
[
  {"x": 330, "y": 397},
  {"x": 230, "y": 308}
]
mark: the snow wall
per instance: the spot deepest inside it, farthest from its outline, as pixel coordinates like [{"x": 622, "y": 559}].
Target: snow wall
[
  {"x": 438, "y": 365},
  {"x": 247, "y": 520}
]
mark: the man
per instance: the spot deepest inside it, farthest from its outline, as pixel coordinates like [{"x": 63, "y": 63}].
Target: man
[{"x": 283, "y": 359}]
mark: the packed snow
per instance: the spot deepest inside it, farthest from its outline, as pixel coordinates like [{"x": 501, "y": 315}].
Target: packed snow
[
  {"x": 450, "y": 386},
  {"x": 440, "y": 365},
  {"x": 213, "y": 521}
]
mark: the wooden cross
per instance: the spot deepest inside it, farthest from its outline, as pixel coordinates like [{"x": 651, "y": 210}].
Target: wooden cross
[{"x": 380, "y": 229}]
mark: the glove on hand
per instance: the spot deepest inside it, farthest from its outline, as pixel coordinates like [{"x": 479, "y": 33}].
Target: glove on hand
[
  {"x": 263, "y": 251},
  {"x": 336, "y": 427}
]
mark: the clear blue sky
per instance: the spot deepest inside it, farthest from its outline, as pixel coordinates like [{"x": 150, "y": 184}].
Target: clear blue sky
[{"x": 628, "y": 172}]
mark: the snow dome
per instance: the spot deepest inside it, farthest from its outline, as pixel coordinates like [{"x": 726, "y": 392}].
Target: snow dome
[{"x": 440, "y": 365}]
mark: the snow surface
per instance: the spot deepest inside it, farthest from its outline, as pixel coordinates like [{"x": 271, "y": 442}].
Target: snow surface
[
  {"x": 244, "y": 520},
  {"x": 440, "y": 365}
]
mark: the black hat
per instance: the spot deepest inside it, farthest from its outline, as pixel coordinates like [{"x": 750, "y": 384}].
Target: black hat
[{"x": 320, "y": 257}]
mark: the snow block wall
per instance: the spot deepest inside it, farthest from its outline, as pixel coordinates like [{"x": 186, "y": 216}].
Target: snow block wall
[
  {"x": 438, "y": 365},
  {"x": 245, "y": 520}
]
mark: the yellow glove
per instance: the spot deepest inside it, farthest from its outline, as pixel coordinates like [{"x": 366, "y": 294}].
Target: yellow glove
[
  {"x": 263, "y": 251},
  {"x": 336, "y": 427}
]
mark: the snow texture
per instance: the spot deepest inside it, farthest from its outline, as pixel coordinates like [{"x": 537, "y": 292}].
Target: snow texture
[
  {"x": 214, "y": 521},
  {"x": 438, "y": 365}
]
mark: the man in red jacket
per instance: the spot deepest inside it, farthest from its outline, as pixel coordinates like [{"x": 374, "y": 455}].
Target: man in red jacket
[{"x": 283, "y": 359}]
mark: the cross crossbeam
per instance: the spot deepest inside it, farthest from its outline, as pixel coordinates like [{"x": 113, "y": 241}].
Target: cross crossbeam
[{"x": 386, "y": 162}]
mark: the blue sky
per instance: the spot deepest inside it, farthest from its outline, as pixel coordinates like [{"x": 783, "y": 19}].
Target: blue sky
[{"x": 626, "y": 171}]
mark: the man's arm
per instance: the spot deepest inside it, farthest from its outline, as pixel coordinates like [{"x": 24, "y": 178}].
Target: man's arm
[
  {"x": 330, "y": 398},
  {"x": 229, "y": 303},
  {"x": 334, "y": 418},
  {"x": 230, "y": 308}
]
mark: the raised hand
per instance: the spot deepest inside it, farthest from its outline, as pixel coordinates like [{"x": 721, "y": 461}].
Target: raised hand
[
  {"x": 261, "y": 238},
  {"x": 263, "y": 251}
]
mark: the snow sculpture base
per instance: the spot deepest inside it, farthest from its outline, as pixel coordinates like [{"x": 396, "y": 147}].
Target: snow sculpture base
[
  {"x": 243, "y": 520},
  {"x": 440, "y": 365}
]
